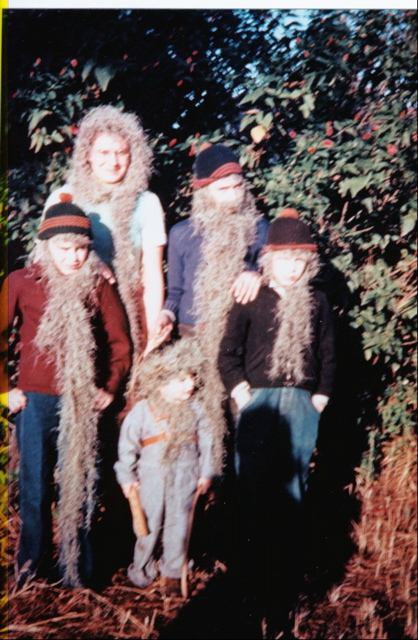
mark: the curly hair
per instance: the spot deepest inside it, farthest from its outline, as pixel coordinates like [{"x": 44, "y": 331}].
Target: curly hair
[
  {"x": 111, "y": 121},
  {"x": 121, "y": 196}
]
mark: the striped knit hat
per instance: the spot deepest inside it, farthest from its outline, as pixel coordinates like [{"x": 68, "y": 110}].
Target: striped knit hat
[
  {"x": 214, "y": 162},
  {"x": 64, "y": 217},
  {"x": 287, "y": 231}
]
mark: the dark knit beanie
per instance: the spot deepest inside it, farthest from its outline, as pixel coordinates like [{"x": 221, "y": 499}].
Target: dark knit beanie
[
  {"x": 64, "y": 217},
  {"x": 287, "y": 231},
  {"x": 214, "y": 162}
]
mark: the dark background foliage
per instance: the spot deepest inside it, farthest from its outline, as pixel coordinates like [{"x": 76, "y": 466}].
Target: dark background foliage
[{"x": 320, "y": 106}]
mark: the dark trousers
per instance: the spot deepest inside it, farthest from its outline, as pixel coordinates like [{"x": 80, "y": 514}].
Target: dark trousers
[
  {"x": 276, "y": 436},
  {"x": 37, "y": 432}
]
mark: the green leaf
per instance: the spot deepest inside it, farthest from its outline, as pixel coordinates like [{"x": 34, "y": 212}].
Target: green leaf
[
  {"x": 103, "y": 76},
  {"x": 87, "y": 69},
  {"x": 36, "y": 117},
  {"x": 267, "y": 120},
  {"x": 246, "y": 121},
  {"x": 57, "y": 137},
  {"x": 253, "y": 96},
  {"x": 354, "y": 185}
]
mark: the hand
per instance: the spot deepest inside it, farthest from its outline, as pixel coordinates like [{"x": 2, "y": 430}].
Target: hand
[
  {"x": 107, "y": 273},
  {"x": 162, "y": 329},
  {"x": 203, "y": 485},
  {"x": 103, "y": 399},
  {"x": 246, "y": 287},
  {"x": 126, "y": 487},
  {"x": 16, "y": 400},
  {"x": 319, "y": 401},
  {"x": 242, "y": 397}
]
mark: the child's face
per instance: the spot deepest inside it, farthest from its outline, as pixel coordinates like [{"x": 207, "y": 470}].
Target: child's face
[
  {"x": 68, "y": 256},
  {"x": 286, "y": 271},
  {"x": 110, "y": 158},
  {"x": 227, "y": 190},
  {"x": 179, "y": 389}
]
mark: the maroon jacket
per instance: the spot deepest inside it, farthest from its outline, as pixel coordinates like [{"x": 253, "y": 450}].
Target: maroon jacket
[{"x": 27, "y": 297}]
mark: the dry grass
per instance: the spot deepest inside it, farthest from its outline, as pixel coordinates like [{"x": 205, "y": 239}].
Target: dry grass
[
  {"x": 378, "y": 596},
  {"x": 375, "y": 599}
]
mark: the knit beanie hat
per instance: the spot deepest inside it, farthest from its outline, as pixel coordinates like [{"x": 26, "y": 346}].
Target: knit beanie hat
[
  {"x": 214, "y": 162},
  {"x": 287, "y": 231},
  {"x": 64, "y": 217}
]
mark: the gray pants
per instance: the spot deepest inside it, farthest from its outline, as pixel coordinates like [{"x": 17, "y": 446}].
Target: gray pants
[{"x": 166, "y": 500}]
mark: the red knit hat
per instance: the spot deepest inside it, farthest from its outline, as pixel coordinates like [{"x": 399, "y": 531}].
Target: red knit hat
[
  {"x": 287, "y": 231},
  {"x": 64, "y": 217},
  {"x": 214, "y": 162}
]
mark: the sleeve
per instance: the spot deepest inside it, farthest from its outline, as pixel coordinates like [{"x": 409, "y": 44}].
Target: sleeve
[
  {"x": 175, "y": 275},
  {"x": 117, "y": 331},
  {"x": 326, "y": 351},
  {"x": 254, "y": 252},
  {"x": 129, "y": 448},
  {"x": 9, "y": 310},
  {"x": 149, "y": 218},
  {"x": 231, "y": 358}
]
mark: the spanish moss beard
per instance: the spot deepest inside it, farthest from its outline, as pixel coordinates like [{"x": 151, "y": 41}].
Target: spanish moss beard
[
  {"x": 182, "y": 422},
  {"x": 65, "y": 334},
  {"x": 293, "y": 317},
  {"x": 227, "y": 233},
  {"x": 153, "y": 372}
]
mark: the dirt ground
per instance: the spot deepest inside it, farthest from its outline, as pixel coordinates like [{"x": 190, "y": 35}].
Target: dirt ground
[{"x": 360, "y": 580}]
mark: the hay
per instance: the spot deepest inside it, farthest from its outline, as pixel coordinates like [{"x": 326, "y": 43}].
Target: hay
[
  {"x": 375, "y": 599},
  {"x": 378, "y": 596}
]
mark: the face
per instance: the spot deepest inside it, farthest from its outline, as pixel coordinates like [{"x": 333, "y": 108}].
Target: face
[
  {"x": 227, "y": 190},
  {"x": 286, "y": 271},
  {"x": 110, "y": 158},
  {"x": 68, "y": 257},
  {"x": 179, "y": 389}
]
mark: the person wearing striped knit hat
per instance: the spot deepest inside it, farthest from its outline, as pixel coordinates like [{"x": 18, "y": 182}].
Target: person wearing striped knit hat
[
  {"x": 277, "y": 362},
  {"x": 74, "y": 354}
]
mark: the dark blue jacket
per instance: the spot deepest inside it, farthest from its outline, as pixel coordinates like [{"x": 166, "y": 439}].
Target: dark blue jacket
[{"x": 184, "y": 253}]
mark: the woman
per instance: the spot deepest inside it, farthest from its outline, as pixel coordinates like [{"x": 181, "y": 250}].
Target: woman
[{"x": 109, "y": 175}]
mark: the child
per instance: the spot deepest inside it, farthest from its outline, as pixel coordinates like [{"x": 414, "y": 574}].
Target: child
[
  {"x": 166, "y": 450},
  {"x": 74, "y": 353},
  {"x": 277, "y": 363}
]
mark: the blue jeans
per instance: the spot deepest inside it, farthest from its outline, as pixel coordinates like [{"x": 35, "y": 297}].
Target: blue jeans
[
  {"x": 37, "y": 432},
  {"x": 276, "y": 435}
]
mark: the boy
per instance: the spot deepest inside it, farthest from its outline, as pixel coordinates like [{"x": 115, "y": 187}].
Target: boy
[
  {"x": 166, "y": 450},
  {"x": 74, "y": 354},
  {"x": 277, "y": 363}
]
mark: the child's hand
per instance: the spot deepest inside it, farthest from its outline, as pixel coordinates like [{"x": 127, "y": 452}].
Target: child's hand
[
  {"x": 203, "y": 485},
  {"x": 16, "y": 400},
  {"x": 246, "y": 286},
  {"x": 241, "y": 394},
  {"x": 162, "y": 329},
  {"x": 319, "y": 401},
  {"x": 126, "y": 487},
  {"x": 103, "y": 399},
  {"x": 107, "y": 273}
]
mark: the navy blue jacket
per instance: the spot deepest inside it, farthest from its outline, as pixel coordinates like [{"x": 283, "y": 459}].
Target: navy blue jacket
[{"x": 183, "y": 258}]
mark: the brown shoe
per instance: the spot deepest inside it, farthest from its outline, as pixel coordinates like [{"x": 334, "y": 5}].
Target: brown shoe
[{"x": 172, "y": 587}]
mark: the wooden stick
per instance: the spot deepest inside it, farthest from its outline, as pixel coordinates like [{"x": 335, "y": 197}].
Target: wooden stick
[
  {"x": 138, "y": 516},
  {"x": 185, "y": 567}
]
